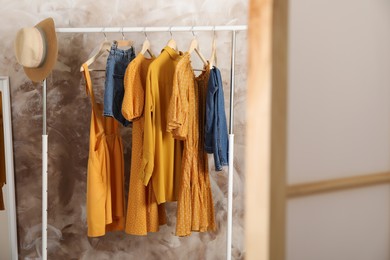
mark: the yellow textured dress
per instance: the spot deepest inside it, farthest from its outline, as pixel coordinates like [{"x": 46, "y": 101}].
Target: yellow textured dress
[
  {"x": 186, "y": 120},
  {"x": 143, "y": 213},
  {"x": 161, "y": 158},
  {"x": 105, "y": 180}
]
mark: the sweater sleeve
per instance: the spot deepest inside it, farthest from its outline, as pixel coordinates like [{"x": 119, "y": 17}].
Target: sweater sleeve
[
  {"x": 134, "y": 97},
  {"x": 179, "y": 104},
  {"x": 150, "y": 128}
]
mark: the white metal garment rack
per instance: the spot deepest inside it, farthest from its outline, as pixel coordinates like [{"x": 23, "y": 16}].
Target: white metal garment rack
[{"x": 233, "y": 30}]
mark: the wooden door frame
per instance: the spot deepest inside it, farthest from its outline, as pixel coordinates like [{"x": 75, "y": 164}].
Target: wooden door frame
[
  {"x": 266, "y": 187},
  {"x": 266, "y": 130}
]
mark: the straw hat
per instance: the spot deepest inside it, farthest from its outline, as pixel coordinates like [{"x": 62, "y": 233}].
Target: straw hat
[{"x": 36, "y": 49}]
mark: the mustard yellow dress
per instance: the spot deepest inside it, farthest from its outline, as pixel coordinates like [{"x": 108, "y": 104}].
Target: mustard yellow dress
[
  {"x": 161, "y": 158},
  {"x": 186, "y": 120},
  {"x": 143, "y": 213},
  {"x": 105, "y": 178}
]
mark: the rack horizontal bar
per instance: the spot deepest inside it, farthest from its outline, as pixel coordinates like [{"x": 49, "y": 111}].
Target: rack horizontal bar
[{"x": 152, "y": 29}]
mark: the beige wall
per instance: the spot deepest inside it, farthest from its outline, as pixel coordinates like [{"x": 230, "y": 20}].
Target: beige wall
[
  {"x": 339, "y": 125},
  {"x": 68, "y": 126}
]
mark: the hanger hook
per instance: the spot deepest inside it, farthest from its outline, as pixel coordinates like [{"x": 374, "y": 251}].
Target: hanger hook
[
  {"x": 105, "y": 36},
  {"x": 192, "y": 30},
  {"x": 146, "y": 36},
  {"x": 214, "y": 30},
  {"x": 123, "y": 35},
  {"x": 170, "y": 31}
]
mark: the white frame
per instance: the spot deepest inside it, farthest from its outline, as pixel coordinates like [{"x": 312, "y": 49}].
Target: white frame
[{"x": 9, "y": 166}]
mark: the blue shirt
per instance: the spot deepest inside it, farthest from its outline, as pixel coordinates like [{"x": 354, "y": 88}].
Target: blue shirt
[{"x": 216, "y": 134}]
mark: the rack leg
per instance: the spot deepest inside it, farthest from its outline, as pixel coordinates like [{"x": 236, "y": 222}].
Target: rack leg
[
  {"x": 44, "y": 196},
  {"x": 230, "y": 198}
]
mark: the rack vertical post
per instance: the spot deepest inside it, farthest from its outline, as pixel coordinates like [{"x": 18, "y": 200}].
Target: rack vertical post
[
  {"x": 231, "y": 151},
  {"x": 44, "y": 174}
]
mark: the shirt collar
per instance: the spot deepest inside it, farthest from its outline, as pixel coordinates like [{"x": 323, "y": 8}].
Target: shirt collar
[{"x": 174, "y": 54}]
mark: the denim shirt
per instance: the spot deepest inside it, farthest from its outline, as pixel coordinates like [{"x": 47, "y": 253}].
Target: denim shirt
[{"x": 216, "y": 134}]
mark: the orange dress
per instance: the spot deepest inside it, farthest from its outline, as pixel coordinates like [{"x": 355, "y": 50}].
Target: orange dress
[
  {"x": 143, "y": 213},
  {"x": 186, "y": 120},
  {"x": 105, "y": 198}
]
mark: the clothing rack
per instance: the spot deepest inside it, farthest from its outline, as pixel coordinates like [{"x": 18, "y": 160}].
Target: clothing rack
[{"x": 233, "y": 29}]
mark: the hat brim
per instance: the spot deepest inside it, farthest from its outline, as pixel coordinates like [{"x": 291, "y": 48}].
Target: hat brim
[{"x": 39, "y": 74}]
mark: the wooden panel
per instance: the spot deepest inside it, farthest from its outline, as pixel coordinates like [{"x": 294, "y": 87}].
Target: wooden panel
[
  {"x": 279, "y": 130},
  {"x": 257, "y": 216},
  {"x": 266, "y": 130},
  {"x": 305, "y": 189}
]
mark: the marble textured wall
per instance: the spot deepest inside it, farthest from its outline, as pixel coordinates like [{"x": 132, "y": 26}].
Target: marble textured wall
[{"x": 69, "y": 119}]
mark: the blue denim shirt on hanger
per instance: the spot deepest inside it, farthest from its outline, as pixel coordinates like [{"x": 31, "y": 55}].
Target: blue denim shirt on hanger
[{"x": 216, "y": 134}]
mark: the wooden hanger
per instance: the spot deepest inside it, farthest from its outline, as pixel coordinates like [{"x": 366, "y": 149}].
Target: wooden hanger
[
  {"x": 172, "y": 43},
  {"x": 213, "y": 58},
  {"x": 146, "y": 47},
  {"x": 194, "y": 46},
  {"x": 124, "y": 43},
  {"x": 100, "y": 50}
]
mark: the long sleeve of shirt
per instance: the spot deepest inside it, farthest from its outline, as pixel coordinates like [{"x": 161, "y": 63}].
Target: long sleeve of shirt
[{"x": 149, "y": 134}]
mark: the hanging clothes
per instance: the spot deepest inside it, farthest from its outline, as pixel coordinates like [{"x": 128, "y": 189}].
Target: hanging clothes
[
  {"x": 216, "y": 134},
  {"x": 161, "y": 158},
  {"x": 186, "y": 118},
  {"x": 105, "y": 181},
  {"x": 2, "y": 155},
  {"x": 117, "y": 62},
  {"x": 143, "y": 213}
]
